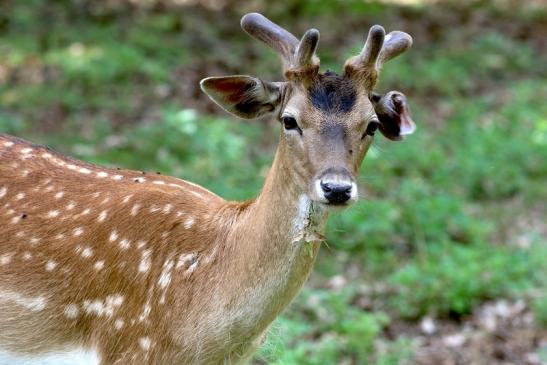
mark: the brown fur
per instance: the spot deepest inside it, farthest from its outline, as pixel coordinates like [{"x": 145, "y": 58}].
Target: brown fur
[{"x": 205, "y": 318}]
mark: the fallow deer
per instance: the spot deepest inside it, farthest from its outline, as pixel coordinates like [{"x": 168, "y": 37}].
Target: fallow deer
[{"x": 106, "y": 266}]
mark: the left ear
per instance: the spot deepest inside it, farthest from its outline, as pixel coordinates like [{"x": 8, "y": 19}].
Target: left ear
[
  {"x": 392, "y": 111},
  {"x": 243, "y": 96}
]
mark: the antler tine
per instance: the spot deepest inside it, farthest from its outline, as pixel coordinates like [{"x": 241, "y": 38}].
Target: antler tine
[
  {"x": 306, "y": 49},
  {"x": 378, "y": 49},
  {"x": 395, "y": 43},
  {"x": 270, "y": 33},
  {"x": 373, "y": 46}
]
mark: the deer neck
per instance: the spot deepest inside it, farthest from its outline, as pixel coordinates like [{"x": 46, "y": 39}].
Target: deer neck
[{"x": 275, "y": 243}]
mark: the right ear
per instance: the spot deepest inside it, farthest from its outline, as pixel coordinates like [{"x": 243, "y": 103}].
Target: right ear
[{"x": 243, "y": 96}]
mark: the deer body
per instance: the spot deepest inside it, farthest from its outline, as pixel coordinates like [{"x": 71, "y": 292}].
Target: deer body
[
  {"x": 141, "y": 264},
  {"x": 104, "y": 266}
]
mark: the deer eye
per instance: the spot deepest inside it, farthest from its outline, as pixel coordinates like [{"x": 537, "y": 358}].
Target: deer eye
[
  {"x": 289, "y": 123},
  {"x": 371, "y": 129}
]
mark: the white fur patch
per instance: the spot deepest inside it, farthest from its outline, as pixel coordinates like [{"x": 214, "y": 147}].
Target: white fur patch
[
  {"x": 146, "y": 262},
  {"x": 301, "y": 219},
  {"x": 34, "y": 304},
  {"x": 68, "y": 357},
  {"x": 308, "y": 224},
  {"x": 189, "y": 222}
]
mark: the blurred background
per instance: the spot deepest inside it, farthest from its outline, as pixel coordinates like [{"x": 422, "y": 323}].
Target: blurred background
[{"x": 444, "y": 261}]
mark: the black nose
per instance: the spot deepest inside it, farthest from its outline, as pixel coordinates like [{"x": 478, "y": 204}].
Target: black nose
[{"x": 335, "y": 192}]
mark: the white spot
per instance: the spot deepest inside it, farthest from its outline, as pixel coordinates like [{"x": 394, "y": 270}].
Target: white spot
[
  {"x": 193, "y": 267},
  {"x": 145, "y": 343},
  {"x": 34, "y": 240},
  {"x": 106, "y": 308},
  {"x": 126, "y": 199},
  {"x": 141, "y": 244},
  {"x": 116, "y": 300},
  {"x": 93, "y": 307},
  {"x": 117, "y": 177},
  {"x": 59, "y": 195},
  {"x": 20, "y": 234},
  {"x": 60, "y": 236},
  {"x": 83, "y": 170},
  {"x": 135, "y": 209},
  {"x": 189, "y": 222},
  {"x": 154, "y": 209},
  {"x": 71, "y": 311},
  {"x": 15, "y": 219},
  {"x": 102, "y": 174},
  {"x": 146, "y": 262},
  {"x": 8, "y": 144},
  {"x": 87, "y": 252},
  {"x": 113, "y": 236},
  {"x": 102, "y": 216},
  {"x": 3, "y": 192},
  {"x": 20, "y": 196},
  {"x": 5, "y": 259},
  {"x": 124, "y": 244},
  {"x": 46, "y": 155},
  {"x": 35, "y": 304},
  {"x": 51, "y": 265},
  {"x": 159, "y": 182},
  {"x": 177, "y": 186},
  {"x": 196, "y": 194},
  {"x": 140, "y": 179},
  {"x": 25, "y": 173},
  {"x": 167, "y": 208},
  {"x": 96, "y": 194},
  {"x": 99, "y": 265},
  {"x": 179, "y": 213},
  {"x": 26, "y": 150},
  {"x": 105, "y": 200},
  {"x": 118, "y": 324},
  {"x": 71, "y": 167},
  {"x": 52, "y": 214},
  {"x": 165, "y": 276},
  {"x": 186, "y": 259},
  {"x": 70, "y": 206},
  {"x": 78, "y": 231},
  {"x": 27, "y": 256},
  {"x": 145, "y": 312}
]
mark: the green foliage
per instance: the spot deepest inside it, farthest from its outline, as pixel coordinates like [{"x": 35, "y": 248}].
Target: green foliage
[
  {"x": 539, "y": 307},
  {"x": 324, "y": 328},
  {"x": 452, "y": 279}
]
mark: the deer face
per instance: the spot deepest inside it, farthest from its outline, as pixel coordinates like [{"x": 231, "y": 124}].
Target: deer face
[{"x": 328, "y": 120}]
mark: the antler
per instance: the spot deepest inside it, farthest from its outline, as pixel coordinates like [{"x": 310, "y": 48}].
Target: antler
[
  {"x": 378, "y": 49},
  {"x": 298, "y": 56}
]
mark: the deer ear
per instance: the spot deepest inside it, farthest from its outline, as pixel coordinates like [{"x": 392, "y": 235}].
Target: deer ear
[
  {"x": 392, "y": 111},
  {"x": 243, "y": 96}
]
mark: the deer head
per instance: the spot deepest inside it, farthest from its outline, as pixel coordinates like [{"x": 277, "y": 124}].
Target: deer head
[{"x": 328, "y": 120}]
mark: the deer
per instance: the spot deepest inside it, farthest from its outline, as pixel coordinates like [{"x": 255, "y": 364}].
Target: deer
[{"x": 103, "y": 266}]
